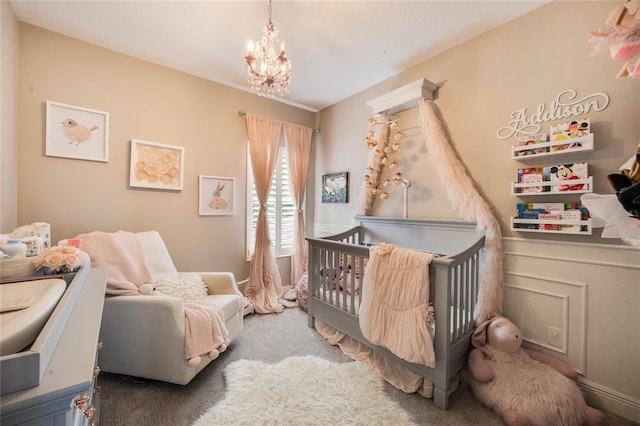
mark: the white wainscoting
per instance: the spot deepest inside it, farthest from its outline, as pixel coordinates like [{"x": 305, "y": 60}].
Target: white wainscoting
[
  {"x": 591, "y": 292},
  {"x": 539, "y": 306},
  {"x": 323, "y": 229}
]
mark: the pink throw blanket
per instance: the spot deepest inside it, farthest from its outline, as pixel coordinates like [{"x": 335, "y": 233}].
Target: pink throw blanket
[
  {"x": 204, "y": 329},
  {"x": 122, "y": 254},
  {"x": 395, "y": 302}
]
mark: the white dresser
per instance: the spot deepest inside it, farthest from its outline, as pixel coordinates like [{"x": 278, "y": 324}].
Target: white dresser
[{"x": 68, "y": 392}]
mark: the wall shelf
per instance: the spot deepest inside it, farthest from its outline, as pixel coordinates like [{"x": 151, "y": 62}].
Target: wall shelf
[
  {"x": 528, "y": 221},
  {"x": 585, "y": 143},
  {"x": 549, "y": 186},
  {"x": 578, "y": 227}
]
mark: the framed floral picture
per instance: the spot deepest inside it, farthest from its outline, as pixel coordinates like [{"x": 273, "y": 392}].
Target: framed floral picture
[
  {"x": 335, "y": 188},
  {"x": 216, "y": 196},
  {"x": 156, "y": 165},
  {"x": 76, "y": 132}
]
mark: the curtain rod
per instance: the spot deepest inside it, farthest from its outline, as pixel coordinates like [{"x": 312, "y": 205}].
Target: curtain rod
[{"x": 242, "y": 113}]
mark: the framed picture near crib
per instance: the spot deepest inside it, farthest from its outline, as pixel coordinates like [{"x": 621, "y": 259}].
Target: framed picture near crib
[
  {"x": 335, "y": 188},
  {"x": 76, "y": 132},
  {"x": 156, "y": 165},
  {"x": 216, "y": 196}
]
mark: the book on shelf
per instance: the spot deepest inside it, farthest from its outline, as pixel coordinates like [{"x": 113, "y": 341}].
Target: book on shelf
[
  {"x": 532, "y": 140},
  {"x": 549, "y": 226},
  {"x": 529, "y": 214},
  {"x": 555, "y": 207},
  {"x": 569, "y": 215},
  {"x": 568, "y": 211},
  {"x": 548, "y": 207},
  {"x": 567, "y": 131},
  {"x": 565, "y": 173},
  {"x": 530, "y": 175}
]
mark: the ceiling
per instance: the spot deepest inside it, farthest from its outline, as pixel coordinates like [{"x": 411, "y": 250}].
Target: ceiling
[{"x": 337, "y": 48}]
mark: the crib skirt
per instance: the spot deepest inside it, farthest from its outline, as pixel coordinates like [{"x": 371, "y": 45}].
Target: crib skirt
[{"x": 393, "y": 372}]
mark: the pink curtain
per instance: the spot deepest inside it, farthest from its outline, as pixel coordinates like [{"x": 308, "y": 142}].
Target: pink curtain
[
  {"x": 298, "y": 140},
  {"x": 265, "y": 284}
]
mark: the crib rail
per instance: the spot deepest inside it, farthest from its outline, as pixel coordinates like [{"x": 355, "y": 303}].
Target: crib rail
[
  {"x": 350, "y": 236},
  {"x": 337, "y": 263},
  {"x": 459, "y": 277}
]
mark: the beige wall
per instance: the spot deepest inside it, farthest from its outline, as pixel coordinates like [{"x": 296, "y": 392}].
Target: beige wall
[
  {"x": 8, "y": 119},
  {"x": 147, "y": 102},
  {"x": 569, "y": 282},
  {"x": 519, "y": 65}
]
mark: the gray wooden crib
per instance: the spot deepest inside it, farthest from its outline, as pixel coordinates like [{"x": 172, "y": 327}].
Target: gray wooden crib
[{"x": 336, "y": 269}]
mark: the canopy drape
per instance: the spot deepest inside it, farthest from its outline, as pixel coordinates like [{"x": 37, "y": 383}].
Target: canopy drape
[
  {"x": 265, "y": 283},
  {"x": 462, "y": 194},
  {"x": 469, "y": 205}
]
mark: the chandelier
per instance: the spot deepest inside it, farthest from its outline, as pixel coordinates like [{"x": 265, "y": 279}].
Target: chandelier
[{"x": 268, "y": 72}]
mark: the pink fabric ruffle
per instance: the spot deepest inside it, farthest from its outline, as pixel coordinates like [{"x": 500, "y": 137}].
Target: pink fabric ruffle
[{"x": 620, "y": 39}]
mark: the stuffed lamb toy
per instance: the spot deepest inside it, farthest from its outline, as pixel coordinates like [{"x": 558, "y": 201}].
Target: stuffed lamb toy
[{"x": 525, "y": 387}]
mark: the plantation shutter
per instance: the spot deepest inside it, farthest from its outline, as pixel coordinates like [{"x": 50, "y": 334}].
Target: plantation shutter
[{"x": 288, "y": 208}]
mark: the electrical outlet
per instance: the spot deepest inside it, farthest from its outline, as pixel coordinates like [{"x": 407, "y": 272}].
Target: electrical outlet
[{"x": 556, "y": 337}]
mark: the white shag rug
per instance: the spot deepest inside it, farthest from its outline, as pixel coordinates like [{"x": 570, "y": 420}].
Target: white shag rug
[{"x": 304, "y": 391}]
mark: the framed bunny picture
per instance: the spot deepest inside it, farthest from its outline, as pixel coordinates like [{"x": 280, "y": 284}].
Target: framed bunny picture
[{"x": 216, "y": 196}]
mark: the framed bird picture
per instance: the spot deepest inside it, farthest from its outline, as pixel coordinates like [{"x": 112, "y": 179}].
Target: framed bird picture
[{"x": 75, "y": 132}]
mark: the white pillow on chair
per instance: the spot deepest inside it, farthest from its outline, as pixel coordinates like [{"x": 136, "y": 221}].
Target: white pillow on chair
[{"x": 188, "y": 287}]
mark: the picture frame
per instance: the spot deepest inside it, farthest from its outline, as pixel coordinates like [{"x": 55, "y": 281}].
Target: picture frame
[
  {"x": 156, "y": 166},
  {"x": 335, "y": 188},
  {"x": 76, "y": 132},
  {"x": 216, "y": 196}
]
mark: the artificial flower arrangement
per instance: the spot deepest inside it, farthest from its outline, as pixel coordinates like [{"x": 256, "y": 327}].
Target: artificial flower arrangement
[
  {"x": 621, "y": 36},
  {"x": 61, "y": 260},
  {"x": 381, "y": 158}
]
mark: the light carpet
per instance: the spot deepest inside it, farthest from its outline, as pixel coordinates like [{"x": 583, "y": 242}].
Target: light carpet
[{"x": 303, "y": 390}]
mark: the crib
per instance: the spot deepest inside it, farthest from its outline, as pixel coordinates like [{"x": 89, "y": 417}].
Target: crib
[{"x": 336, "y": 270}]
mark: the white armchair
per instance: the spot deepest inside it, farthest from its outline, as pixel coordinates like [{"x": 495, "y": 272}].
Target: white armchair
[{"x": 144, "y": 336}]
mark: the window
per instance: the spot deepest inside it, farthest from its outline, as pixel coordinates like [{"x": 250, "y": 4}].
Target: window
[{"x": 280, "y": 207}]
